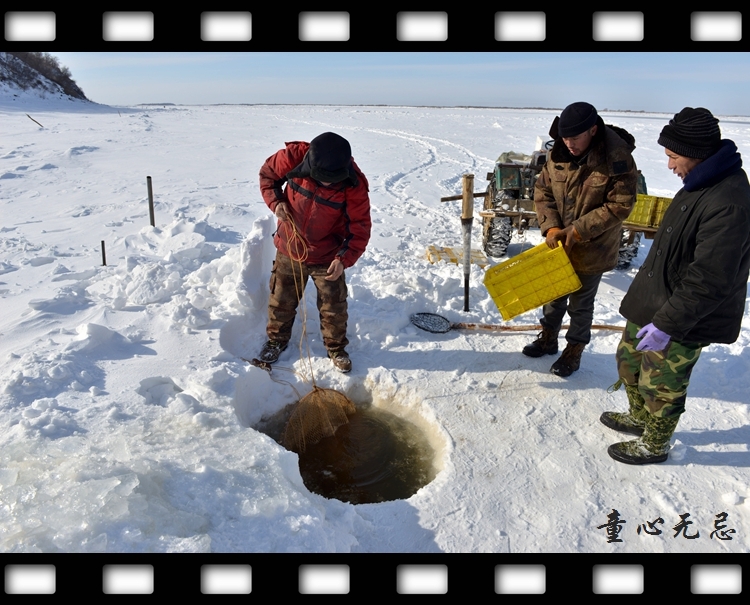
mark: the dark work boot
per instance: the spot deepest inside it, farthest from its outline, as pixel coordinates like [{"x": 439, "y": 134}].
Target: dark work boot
[
  {"x": 569, "y": 361},
  {"x": 545, "y": 344},
  {"x": 271, "y": 351},
  {"x": 340, "y": 360}
]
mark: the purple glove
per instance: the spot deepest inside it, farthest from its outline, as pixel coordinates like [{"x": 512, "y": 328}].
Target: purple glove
[{"x": 653, "y": 339}]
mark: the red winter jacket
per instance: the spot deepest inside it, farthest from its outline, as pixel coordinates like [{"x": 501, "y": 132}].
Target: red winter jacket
[{"x": 332, "y": 221}]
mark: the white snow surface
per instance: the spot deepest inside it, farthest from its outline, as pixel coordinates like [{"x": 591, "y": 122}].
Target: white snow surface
[{"x": 128, "y": 414}]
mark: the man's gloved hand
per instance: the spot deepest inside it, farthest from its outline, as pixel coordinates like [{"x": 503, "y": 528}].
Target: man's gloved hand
[
  {"x": 550, "y": 235},
  {"x": 653, "y": 339},
  {"x": 567, "y": 236},
  {"x": 282, "y": 211}
]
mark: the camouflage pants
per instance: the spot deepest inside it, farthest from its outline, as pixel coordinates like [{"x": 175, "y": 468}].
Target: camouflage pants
[
  {"x": 288, "y": 281},
  {"x": 661, "y": 377}
]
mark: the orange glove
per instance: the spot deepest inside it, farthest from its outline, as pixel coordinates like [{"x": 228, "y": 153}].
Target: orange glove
[
  {"x": 567, "y": 236},
  {"x": 551, "y": 240}
]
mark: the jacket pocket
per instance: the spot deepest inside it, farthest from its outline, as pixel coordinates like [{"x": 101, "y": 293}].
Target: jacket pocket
[
  {"x": 674, "y": 280},
  {"x": 272, "y": 283},
  {"x": 597, "y": 180}
]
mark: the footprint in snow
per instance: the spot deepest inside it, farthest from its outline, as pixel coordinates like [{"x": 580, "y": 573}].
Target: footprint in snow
[{"x": 81, "y": 150}]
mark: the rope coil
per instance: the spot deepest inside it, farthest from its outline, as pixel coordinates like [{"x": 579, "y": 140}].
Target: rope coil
[{"x": 319, "y": 413}]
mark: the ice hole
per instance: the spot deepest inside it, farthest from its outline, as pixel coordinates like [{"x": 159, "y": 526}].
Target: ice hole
[{"x": 377, "y": 456}]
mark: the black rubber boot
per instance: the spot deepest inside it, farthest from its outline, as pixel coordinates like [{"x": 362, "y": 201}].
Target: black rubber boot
[
  {"x": 569, "y": 361},
  {"x": 545, "y": 344}
]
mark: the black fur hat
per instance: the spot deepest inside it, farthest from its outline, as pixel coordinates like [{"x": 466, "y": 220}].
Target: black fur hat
[
  {"x": 330, "y": 156},
  {"x": 576, "y": 118}
]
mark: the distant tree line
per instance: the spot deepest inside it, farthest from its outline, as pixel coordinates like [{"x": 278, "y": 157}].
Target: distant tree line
[{"x": 34, "y": 64}]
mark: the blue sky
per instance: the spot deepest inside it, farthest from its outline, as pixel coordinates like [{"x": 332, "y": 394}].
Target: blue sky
[{"x": 662, "y": 82}]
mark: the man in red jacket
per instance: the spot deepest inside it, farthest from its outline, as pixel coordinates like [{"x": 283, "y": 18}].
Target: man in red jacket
[{"x": 320, "y": 197}]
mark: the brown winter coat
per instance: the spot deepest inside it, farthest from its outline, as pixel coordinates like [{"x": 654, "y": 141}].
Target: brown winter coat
[{"x": 594, "y": 197}]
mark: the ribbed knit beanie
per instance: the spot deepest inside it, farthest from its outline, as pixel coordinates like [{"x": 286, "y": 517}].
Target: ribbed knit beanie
[{"x": 693, "y": 133}]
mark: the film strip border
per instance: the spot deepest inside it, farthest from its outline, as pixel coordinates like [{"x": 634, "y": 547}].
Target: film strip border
[
  {"x": 369, "y": 28},
  {"x": 378, "y": 576}
]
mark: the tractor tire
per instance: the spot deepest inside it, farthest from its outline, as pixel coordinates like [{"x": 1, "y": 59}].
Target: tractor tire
[
  {"x": 498, "y": 235},
  {"x": 628, "y": 250}
]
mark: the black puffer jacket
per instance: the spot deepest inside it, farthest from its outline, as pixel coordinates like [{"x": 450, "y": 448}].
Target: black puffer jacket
[{"x": 693, "y": 283}]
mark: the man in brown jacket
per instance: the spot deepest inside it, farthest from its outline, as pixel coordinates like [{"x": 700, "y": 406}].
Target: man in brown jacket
[{"x": 584, "y": 192}]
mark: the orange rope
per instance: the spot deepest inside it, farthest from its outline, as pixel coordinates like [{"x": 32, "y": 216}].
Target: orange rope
[{"x": 296, "y": 242}]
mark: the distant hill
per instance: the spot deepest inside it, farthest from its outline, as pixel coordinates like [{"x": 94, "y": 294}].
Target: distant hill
[{"x": 39, "y": 72}]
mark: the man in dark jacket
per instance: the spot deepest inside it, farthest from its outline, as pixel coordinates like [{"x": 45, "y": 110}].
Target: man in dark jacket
[
  {"x": 321, "y": 199},
  {"x": 584, "y": 192},
  {"x": 690, "y": 290}
]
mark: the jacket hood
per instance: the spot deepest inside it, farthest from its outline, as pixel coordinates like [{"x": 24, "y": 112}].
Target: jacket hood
[{"x": 305, "y": 170}]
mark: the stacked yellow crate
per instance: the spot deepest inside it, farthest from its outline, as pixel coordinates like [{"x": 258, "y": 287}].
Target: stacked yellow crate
[{"x": 648, "y": 211}]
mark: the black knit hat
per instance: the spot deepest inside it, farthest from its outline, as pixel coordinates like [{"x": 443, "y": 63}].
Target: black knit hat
[
  {"x": 693, "y": 133},
  {"x": 576, "y": 118},
  {"x": 330, "y": 156}
]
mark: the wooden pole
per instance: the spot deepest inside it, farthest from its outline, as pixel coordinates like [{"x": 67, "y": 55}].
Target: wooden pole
[
  {"x": 452, "y": 198},
  {"x": 467, "y": 218},
  {"x": 526, "y": 328},
  {"x": 33, "y": 120},
  {"x": 467, "y": 209},
  {"x": 104, "y": 255},
  {"x": 150, "y": 201}
]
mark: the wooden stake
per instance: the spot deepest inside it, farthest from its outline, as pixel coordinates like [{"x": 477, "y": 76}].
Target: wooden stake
[
  {"x": 467, "y": 218},
  {"x": 467, "y": 209},
  {"x": 452, "y": 198},
  {"x": 150, "y": 201},
  {"x": 104, "y": 255},
  {"x": 33, "y": 120}
]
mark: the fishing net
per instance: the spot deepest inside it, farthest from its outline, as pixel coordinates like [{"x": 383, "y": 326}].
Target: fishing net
[{"x": 318, "y": 414}]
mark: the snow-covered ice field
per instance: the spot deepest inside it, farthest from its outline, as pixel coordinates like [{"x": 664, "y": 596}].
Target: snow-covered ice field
[{"x": 127, "y": 412}]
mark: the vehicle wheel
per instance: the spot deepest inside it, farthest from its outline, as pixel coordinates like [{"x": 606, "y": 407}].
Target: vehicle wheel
[
  {"x": 497, "y": 236},
  {"x": 628, "y": 249}
]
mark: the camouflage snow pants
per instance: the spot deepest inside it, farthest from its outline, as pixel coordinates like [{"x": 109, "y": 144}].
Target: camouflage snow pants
[
  {"x": 288, "y": 281},
  {"x": 661, "y": 377}
]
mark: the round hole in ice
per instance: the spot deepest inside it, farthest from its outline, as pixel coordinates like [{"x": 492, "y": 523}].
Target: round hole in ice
[{"x": 376, "y": 457}]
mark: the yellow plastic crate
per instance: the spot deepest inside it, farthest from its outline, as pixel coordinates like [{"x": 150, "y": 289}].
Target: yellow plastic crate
[
  {"x": 643, "y": 210},
  {"x": 662, "y": 203},
  {"x": 648, "y": 210},
  {"x": 530, "y": 280}
]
